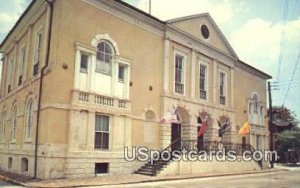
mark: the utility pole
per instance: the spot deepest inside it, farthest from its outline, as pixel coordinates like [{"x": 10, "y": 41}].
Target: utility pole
[{"x": 271, "y": 127}]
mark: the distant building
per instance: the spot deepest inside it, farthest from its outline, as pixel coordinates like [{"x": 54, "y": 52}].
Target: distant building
[{"x": 110, "y": 74}]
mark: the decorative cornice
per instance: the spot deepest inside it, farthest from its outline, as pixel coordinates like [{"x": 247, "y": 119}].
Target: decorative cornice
[{"x": 127, "y": 13}]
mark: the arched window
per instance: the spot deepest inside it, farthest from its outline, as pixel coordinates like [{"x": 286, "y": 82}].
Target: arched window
[
  {"x": 105, "y": 53},
  {"x": 14, "y": 124},
  {"x": 24, "y": 164},
  {"x": 28, "y": 119},
  {"x": 255, "y": 99},
  {"x": 149, "y": 115}
]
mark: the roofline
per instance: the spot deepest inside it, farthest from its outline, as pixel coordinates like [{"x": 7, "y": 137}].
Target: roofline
[
  {"x": 261, "y": 72},
  {"x": 17, "y": 23},
  {"x": 186, "y": 17},
  {"x": 140, "y": 11},
  {"x": 137, "y": 10}
]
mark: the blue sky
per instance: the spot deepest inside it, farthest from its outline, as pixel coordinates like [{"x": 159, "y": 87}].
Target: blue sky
[{"x": 253, "y": 28}]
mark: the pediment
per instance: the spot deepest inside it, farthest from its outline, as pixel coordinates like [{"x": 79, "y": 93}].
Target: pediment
[{"x": 193, "y": 26}]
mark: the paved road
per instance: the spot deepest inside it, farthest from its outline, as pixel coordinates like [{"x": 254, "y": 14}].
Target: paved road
[
  {"x": 6, "y": 184},
  {"x": 287, "y": 179}
]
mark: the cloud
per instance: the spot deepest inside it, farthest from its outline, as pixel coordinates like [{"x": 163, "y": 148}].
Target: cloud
[
  {"x": 9, "y": 14},
  {"x": 258, "y": 43}
]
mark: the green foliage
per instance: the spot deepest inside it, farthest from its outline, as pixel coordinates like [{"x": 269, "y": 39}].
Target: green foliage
[
  {"x": 289, "y": 139},
  {"x": 287, "y": 115}
]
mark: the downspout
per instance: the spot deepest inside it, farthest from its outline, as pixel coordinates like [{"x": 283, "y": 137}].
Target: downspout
[{"x": 50, "y": 3}]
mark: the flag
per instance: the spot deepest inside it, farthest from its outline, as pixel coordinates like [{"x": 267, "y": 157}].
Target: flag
[
  {"x": 224, "y": 128},
  {"x": 203, "y": 127},
  {"x": 169, "y": 118},
  {"x": 245, "y": 129}
]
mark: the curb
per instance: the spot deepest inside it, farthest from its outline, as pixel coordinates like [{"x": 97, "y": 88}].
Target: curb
[{"x": 166, "y": 179}]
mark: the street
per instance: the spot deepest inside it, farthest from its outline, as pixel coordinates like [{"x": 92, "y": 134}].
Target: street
[
  {"x": 6, "y": 184},
  {"x": 275, "y": 179}
]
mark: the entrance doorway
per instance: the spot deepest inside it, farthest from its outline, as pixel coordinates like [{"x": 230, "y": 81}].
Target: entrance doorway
[
  {"x": 175, "y": 136},
  {"x": 200, "y": 139}
]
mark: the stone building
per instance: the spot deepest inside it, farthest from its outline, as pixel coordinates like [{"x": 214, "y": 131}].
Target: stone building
[{"x": 82, "y": 79}]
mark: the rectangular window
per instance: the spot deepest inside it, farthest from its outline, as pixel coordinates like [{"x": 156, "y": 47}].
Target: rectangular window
[
  {"x": 222, "y": 88},
  {"x": 179, "y": 77},
  {"x": 37, "y": 53},
  {"x": 9, "y": 162},
  {"x": 84, "y": 63},
  {"x": 21, "y": 66},
  {"x": 3, "y": 126},
  {"x": 121, "y": 74},
  {"x": 203, "y": 82},
  {"x": 101, "y": 132},
  {"x": 10, "y": 75},
  {"x": 101, "y": 168}
]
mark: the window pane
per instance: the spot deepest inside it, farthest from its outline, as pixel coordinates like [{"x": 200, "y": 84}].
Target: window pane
[
  {"x": 202, "y": 84},
  {"x": 107, "y": 49},
  {"x": 98, "y": 123},
  {"x": 105, "y": 140},
  {"x": 178, "y": 76},
  {"x": 202, "y": 71},
  {"x": 100, "y": 56},
  {"x": 101, "y": 47},
  {"x": 105, "y": 123},
  {"x": 97, "y": 140},
  {"x": 107, "y": 58},
  {"x": 84, "y": 62},
  {"x": 121, "y": 75}
]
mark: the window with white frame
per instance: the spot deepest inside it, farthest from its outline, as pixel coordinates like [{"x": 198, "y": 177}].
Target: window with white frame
[
  {"x": 84, "y": 60},
  {"x": 14, "y": 124},
  {"x": 3, "y": 120},
  {"x": 222, "y": 88},
  {"x": 121, "y": 73},
  {"x": 10, "y": 75},
  {"x": 104, "y": 57},
  {"x": 262, "y": 114},
  {"x": 203, "y": 82},
  {"x": 179, "y": 74},
  {"x": 21, "y": 65},
  {"x": 37, "y": 55},
  {"x": 101, "y": 132},
  {"x": 28, "y": 120}
]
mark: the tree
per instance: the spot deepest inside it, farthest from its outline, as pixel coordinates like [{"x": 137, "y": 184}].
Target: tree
[
  {"x": 289, "y": 139},
  {"x": 287, "y": 115},
  {"x": 286, "y": 138}
]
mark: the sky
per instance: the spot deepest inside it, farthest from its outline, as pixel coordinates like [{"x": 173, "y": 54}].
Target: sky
[{"x": 263, "y": 33}]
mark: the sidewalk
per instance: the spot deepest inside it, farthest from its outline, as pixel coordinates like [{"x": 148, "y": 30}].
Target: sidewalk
[{"x": 111, "y": 180}]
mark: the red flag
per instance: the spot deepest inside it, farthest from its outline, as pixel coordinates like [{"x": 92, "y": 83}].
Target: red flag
[{"x": 202, "y": 129}]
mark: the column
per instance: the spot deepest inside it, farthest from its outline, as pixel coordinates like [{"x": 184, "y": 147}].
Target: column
[
  {"x": 166, "y": 65},
  {"x": 77, "y": 69},
  {"x": 2, "y": 92},
  {"x": 215, "y": 81},
  {"x": 91, "y": 73},
  {"x": 232, "y": 87},
  {"x": 193, "y": 70},
  {"x": 127, "y": 87}
]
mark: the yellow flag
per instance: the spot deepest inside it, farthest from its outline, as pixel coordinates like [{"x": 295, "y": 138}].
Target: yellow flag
[{"x": 245, "y": 129}]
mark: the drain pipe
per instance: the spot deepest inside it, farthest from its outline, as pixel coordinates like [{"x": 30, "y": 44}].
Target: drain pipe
[{"x": 50, "y": 3}]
